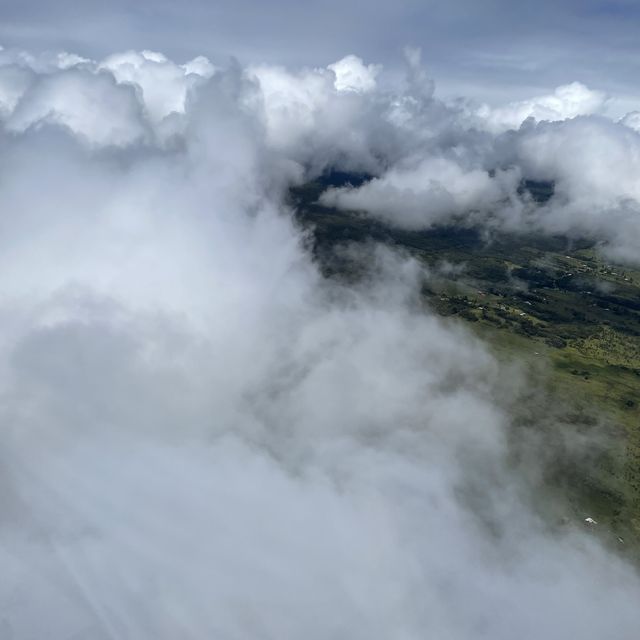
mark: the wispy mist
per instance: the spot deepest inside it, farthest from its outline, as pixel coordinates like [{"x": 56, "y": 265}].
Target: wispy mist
[{"x": 203, "y": 437}]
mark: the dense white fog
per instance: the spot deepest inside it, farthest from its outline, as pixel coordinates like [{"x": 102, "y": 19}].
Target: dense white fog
[{"x": 202, "y": 437}]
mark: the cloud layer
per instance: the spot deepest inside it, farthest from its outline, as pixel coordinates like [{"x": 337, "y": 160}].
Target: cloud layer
[
  {"x": 204, "y": 437},
  {"x": 432, "y": 161}
]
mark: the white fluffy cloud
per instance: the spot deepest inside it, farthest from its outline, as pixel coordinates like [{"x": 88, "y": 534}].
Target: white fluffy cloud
[
  {"x": 89, "y": 104},
  {"x": 567, "y": 101},
  {"x": 202, "y": 436},
  {"x": 353, "y": 75},
  {"x": 594, "y": 163},
  {"x": 431, "y": 160},
  {"x": 120, "y": 101},
  {"x": 163, "y": 84},
  {"x": 435, "y": 190}
]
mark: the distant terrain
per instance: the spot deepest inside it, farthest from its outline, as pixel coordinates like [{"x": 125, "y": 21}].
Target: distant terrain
[{"x": 554, "y": 304}]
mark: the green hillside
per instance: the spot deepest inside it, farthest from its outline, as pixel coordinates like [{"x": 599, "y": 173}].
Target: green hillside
[{"x": 554, "y": 305}]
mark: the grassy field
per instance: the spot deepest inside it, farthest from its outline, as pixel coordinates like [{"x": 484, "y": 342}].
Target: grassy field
[{"x": 558, "y": 308}]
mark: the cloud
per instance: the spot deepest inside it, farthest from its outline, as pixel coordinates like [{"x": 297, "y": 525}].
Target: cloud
[
  {"x": 14, "y": 81},
  {"x": 352, "y": 75},
  {"x": 90, "y": 105},
  {"x": 594, "y": 163},
  {"x": 437, "y": 190},
  {"x": 567, "y": 101},
  {"x": 119, "y": 101},
  {"x": 163, "y": 84},
  {"x": 202, "y": 436},
  {"x": 431, "y": 159},
  {"x": 632, "y": 120},
  {"x": 498, "y": 52}
]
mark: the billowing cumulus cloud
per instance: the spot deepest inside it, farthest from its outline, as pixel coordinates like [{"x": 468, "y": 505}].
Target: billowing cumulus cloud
[
  {"x": 89, "y": 104},
  {"x": 352, "y": 75},
  {"x": 202, "y": 436},
  {"x": 162, "y": 83},
  {"x": 436, "y": 190},
  {"x": 567, "y": 101},
  {"x": 120, "y": 101},
  {"x": 594, "y": 163}
]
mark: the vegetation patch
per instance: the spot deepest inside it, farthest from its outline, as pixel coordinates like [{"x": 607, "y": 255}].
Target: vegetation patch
[{"x": 552, "y": 303}]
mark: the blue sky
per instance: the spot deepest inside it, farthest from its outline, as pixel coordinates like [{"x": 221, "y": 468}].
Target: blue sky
[{"x": 492, "y": 50}]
